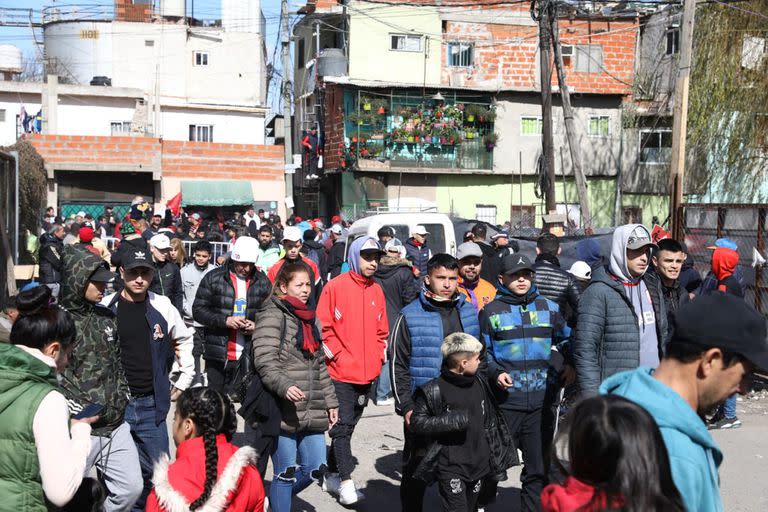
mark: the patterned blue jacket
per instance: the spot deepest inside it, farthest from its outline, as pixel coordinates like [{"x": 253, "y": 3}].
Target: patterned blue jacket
[{"x": 519, "y": 332}]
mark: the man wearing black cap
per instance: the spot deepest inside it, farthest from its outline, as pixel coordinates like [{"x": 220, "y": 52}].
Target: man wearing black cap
[
  {"x": 718, "y": 341},
  {"x": 151, "y": 333},
  {"x": 619, "y": 326},
  {"x": 521, "y": 330},
  {"x": 95, "y": 376}
]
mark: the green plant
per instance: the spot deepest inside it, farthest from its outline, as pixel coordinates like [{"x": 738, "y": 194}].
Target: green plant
[{"x": 491, "y": 138}]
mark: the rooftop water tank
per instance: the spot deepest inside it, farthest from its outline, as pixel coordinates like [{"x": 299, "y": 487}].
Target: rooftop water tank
[
  {"x": 173, "y": 8},
  {"x": 10, "y": 59},
  {"x": 332, "y": 62}
]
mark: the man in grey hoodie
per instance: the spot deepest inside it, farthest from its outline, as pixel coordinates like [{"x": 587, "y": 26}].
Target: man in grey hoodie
[
  {"x": 191, "y": 275},
  {"x": 619, "y": 325}
]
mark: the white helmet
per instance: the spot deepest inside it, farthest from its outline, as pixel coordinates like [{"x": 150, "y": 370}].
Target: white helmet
[{"x": 245, "y": 250}]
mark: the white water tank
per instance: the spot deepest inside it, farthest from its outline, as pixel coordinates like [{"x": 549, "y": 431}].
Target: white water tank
[
  {"x": 173, "y": 8},
  {"x": 10, "y": 59}
]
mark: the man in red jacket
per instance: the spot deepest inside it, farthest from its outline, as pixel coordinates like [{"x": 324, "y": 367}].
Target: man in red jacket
[{"x": 352, "y": 312}]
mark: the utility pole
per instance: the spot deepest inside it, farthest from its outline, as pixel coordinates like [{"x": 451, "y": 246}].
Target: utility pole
[
  {"x": 547, "y": 145},
  {"x": 287, "y": 99},
  {"x": 570, "y": 131},
  {"x": 680, "y": 118}
]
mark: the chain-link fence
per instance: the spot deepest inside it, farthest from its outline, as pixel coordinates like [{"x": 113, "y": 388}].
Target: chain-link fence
[
  {"x": 742, "y": 223},
  {"x": 94, "y": 209}
]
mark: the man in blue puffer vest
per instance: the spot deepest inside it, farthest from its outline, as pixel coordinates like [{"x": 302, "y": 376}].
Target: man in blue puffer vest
[
  {"x": 416, "y": 358},
  {"x": 523, "y": 331}
]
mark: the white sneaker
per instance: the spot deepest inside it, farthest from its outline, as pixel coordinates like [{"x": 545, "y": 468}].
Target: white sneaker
[
  {"x": 348, "y": 494},
  {"x": 331, "y": 483},
  {"x": 386, "y": 401}
]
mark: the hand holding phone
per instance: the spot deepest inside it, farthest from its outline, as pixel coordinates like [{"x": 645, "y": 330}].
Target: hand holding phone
[{"x": 89, "y": 411}]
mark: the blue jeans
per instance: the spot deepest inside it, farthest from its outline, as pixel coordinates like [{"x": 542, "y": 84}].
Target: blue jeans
[
  {"x": 292, "y": 477},
  {"x": 151, "y": 440},
  {"x": 384, "y": 384},
  {"x": 729, "y": 407}
]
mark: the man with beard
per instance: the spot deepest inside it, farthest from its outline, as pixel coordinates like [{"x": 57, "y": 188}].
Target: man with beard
[
  {"x": 268, "y": 252},
  {"x": 718, "y": 342},
  {"x": 477, "y": 290},
  {"x": 668, "y": 262}
]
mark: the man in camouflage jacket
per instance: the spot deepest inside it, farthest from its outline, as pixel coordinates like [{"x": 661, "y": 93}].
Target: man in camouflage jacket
[{"x": 95, "y": 375}]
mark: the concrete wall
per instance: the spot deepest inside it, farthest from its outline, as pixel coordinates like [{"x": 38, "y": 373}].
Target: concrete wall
[
  {"x": 370, "y": 57},
  {"x": 600, "y": 156},
  {"x": 142, "y": 55},
  {"x": 231, "y": 127},
  {"x": 92, "y": 116}
]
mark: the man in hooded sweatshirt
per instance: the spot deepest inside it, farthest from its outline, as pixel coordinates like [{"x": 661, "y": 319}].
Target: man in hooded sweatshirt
[
  {"x": 95, "y": 376},
  {"x": 718, "y": 342},
  {"x": 417, "y": 335},
  {"x": 352, "y": 312},
  {"x": 619, "y": 327}
]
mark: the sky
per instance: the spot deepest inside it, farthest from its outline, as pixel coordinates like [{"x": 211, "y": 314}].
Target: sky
[{"x": 204, "y": 9}]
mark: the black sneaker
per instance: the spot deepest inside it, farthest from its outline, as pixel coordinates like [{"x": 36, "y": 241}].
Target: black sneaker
[{"x": 725, "y": 423}]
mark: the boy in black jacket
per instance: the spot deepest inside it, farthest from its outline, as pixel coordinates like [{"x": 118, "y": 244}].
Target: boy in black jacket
[{"x": 464, "y": 431}]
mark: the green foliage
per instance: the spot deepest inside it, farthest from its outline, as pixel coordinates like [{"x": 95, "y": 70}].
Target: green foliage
[
  {"x": 728, "y": 103},
  {"x": 32, "y": 185}
]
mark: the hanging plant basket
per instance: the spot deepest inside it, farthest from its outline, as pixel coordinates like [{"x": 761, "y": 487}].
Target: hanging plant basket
[{"x": 381, "y": 110}]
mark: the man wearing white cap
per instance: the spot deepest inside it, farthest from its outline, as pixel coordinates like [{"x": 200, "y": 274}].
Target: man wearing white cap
[
  {"x": 167, "y": 280},
  {"x": 292, "y": 241},
  {"x": 417, "y": 250}
]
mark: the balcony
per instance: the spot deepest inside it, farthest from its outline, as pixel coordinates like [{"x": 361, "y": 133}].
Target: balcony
[{"x": 414, "y": 136}]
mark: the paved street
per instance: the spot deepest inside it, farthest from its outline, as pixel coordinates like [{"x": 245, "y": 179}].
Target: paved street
[{"x": 378, "y": 441}]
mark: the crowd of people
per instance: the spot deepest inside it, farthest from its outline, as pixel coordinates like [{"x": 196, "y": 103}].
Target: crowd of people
[{"x": 606, "y": 376}]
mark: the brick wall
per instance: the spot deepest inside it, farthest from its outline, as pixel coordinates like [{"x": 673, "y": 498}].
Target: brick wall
[
  {"x": 506, "y": 56},
  {"x": 176, "y": 159},
  {"x": 333, "y": 127},
  {"x": 126, "y": 10}
]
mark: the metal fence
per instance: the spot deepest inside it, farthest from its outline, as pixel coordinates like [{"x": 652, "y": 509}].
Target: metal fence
[{"x": 745, "y": 224}]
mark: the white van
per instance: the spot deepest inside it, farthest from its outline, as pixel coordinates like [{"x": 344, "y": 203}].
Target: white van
[{"x": 442, "y": 237}]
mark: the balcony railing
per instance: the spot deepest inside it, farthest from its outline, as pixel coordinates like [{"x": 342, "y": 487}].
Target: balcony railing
[{"x": 78, "y": 12}]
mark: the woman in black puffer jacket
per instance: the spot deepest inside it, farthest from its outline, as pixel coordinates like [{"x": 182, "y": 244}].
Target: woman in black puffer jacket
[{"x": 288, "y": 356}]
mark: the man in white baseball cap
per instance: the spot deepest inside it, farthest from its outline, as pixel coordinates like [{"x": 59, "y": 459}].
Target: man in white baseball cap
[
  {"x": 417, "y": 250},
  {"x": 292, "y": 242},
  {"x": 167, "y": 280}
]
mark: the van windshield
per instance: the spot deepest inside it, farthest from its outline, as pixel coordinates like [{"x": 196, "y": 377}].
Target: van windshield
[{"x": 436, "y": 238}]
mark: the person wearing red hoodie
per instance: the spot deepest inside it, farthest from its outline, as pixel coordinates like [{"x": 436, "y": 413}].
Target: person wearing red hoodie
[
  {"x": 210, "y": 473},
  {"x": 617, "y": 460},
  {"x": 353, "y": 315}
]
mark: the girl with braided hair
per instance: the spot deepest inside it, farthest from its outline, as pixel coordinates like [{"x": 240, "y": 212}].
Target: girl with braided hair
[{"x": 210, "y": 473}]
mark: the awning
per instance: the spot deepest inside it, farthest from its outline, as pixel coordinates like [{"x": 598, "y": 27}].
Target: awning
[{"x": 216, "y": 193}]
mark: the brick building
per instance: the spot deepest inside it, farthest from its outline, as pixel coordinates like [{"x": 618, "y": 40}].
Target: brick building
[{"x": 415, "y": 63}]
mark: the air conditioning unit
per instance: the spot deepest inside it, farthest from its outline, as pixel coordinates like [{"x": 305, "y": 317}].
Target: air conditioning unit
[{"x": 566, "y": 50}]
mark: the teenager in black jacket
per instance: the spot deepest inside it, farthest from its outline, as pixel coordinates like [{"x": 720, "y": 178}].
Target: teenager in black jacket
[{"x": 467, "y": 439}]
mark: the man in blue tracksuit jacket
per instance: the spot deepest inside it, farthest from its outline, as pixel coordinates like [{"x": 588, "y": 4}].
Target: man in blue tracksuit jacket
[
  {"x": 521, "y": 330},
  {"x": 415, "y": 343}
]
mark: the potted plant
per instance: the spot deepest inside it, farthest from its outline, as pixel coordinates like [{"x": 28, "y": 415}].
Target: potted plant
[
  {"x": 490, "y": 140},
  {"x": 357, "y": 118},
  {"x": 472, "y": 111},
  {"x": 365, "y": 101},
  {"x": 488, "y": 115}
]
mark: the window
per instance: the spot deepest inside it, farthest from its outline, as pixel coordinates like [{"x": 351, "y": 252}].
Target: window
[
  {"x": 633, "y": 215},
  {"x": 2, "y": 115},
  {"x": 486, "y": 213},
  {"x": 673, "y": 40},
  {"x": 589, "y": 58},
  {"x": 149, "y": 42},
  {"x": 120, "y": 127},
  {"x": 201, "y": 133},
  {"x": 201, "y": 58},
  {"x": 460, "y": 55},
  {"x": 530, "y": 126},
  {"x": 655, "y": 146},
  {"x": 300, "y": 49},
  {"x": 599, "y": 126},
  {"x": 404, "y": 43},
  {"x": 522, "y": 216}
]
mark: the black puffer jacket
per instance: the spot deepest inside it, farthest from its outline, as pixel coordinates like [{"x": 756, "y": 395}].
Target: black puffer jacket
[
  {"x": 557, "y": 285},
  {"x": 395, "y": 276},
  {"x": 51, "y": 249},
  {"x": 215, "y": 301},
  {"x": 432, "y": 419},
  {"x": 491, "y": 263},
  {"x": 167, "y": 282}
]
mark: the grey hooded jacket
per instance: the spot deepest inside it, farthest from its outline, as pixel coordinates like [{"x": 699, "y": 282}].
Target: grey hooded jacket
[{"x": 608, "y": 333}]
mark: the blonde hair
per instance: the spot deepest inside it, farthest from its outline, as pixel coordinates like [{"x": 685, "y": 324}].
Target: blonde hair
[
  {"x": 181, "y": 253},
  {"x": 460, "y": 343}
]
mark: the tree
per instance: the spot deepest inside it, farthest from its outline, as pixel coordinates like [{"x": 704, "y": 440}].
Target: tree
[{"x": 728, "y": 109}]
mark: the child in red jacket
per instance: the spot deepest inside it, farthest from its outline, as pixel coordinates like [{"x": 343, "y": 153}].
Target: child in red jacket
[{"x": 210, "y": 473}]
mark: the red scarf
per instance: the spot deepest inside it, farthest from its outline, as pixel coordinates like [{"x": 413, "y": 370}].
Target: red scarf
[{"x": 307, "y": 339}]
